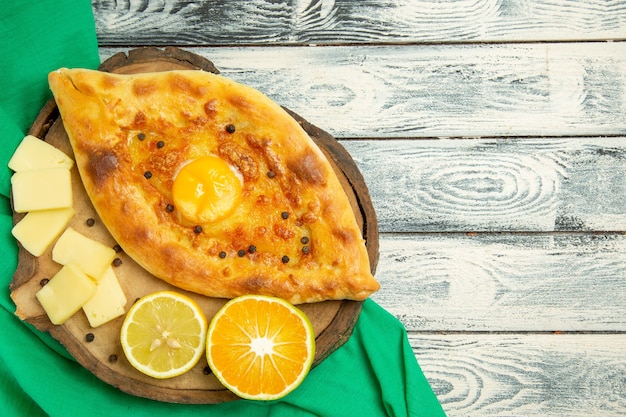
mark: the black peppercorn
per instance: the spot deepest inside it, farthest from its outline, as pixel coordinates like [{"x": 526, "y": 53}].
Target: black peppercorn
[
  {"x": 284, "y": 215},
  {"x": 207, "y": 370},
  {"x": 141, "y": 136},
  {"x": 222, "y": 254},
  {"x": 117, "y": 262},
  {"x": 271, "y": 174},
  {"x": 112, "y": 358},
  {"x": 90, "y": 222},
  {"x": 169, "y": 208},
  {"x": 44, "y": 281},
  {"x": 147, "y": 175},
  {"x": 304, "y": 240},
  {"x": 160, "y": 144},
  {"x": 197, "y": 229},
  {"x": 285, "y": 259},
  {"x": 89, "y": 337},
  {"x": 241, "y": 252},
  {"x": 306, "y": 249},
  {"x": 117, "y": 248},
  {"x": 251, "y": 249},
  {"x": 230, "y": 128}
]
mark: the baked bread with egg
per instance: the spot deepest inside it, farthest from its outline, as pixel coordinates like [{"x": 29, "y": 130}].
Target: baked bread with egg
[{"x": 211, "y": 186}]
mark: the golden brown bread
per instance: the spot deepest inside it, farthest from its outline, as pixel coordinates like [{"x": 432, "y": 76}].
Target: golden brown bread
[{"x": 290, "y": 232}]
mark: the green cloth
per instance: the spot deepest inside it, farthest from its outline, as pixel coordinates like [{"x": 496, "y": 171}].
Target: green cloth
[{"x": 374, "y": 373}]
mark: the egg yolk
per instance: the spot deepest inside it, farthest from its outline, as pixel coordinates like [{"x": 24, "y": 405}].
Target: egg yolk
[{"x": 206, "y": 190}]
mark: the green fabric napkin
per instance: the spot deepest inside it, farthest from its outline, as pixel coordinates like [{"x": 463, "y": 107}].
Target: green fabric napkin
[{"x": 374, "y": 373}]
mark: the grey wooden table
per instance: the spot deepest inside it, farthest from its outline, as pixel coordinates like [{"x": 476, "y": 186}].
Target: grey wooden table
[{"x": 492, "y": 136}]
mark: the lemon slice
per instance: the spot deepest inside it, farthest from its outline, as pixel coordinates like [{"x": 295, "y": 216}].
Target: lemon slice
[
  {"x": 163, "y": 334},
  {"x": 260, "y": 347}
]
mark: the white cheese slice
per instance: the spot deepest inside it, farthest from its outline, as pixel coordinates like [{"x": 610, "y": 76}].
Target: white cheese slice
[
  {"x": 38, "y": 229},
  {"x": 41, "y": 189},
  {"x": 109, "y": 301},
  {"x": 92, "y": 257},
  {"x": 65, "y": 293},
  {"x": 33, "y": 153}
]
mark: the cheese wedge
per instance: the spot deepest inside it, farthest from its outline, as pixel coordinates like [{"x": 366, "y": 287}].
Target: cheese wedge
[
  {"x": 108, "y": 302},
  {"x": 91, "y": 257},
  {"x": 66, "y": 293},
  {"x": 38, "y": 229},
  {"x": 33, "y": 153},
  {"x": 41, "y": 189}
]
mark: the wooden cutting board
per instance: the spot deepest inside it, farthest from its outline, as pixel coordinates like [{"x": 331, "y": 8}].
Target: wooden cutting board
[{"x": 333, "y": 321}]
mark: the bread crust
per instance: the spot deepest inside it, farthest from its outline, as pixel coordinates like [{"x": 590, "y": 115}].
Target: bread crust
[{"x": 293, "y": 235}]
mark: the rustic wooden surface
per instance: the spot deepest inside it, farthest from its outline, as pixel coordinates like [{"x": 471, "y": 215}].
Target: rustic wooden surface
[
  {"x": 492, "y": 137},
  {"x": 333, "y": 321}
]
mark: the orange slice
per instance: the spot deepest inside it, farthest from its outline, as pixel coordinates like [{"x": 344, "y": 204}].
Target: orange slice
[
  {"x": 260, "y": 347},
  {"x": 163, "y": 334}
]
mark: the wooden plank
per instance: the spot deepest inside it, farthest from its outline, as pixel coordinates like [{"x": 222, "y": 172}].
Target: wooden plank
[
  {"x": 441, "y": 90},
  {"x": 535, "y": 184},
  {"x": 525, "y": 374},
  {"x": 298, "y": 22},
  {"x": 500, "y": 282}
]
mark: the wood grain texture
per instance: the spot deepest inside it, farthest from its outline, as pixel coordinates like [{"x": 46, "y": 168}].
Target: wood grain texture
[
  {"x": 440, "y": 90},
  {"x": 504, "y": 282},
  {"x": 517, "y": 185},
  {"x": 181, "y": 22},
  {"x": 574, "y": 375},
  {"x": 545, "y": 178},
  {"x": 548, "y": 266}
]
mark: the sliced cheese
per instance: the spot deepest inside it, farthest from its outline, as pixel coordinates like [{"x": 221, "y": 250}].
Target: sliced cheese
[
  {"x": 91, "y": 256},
  {"x": 65, "y": 293},
  {"x": 33, "y": 153},
  {"x": 38, "y": 229},
  {"x": 41, "y": 189},
  {"x": 109, "y": 301}
]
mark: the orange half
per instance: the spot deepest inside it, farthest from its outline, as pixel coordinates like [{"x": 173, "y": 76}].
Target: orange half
[{"x": 260, "y": 347}]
